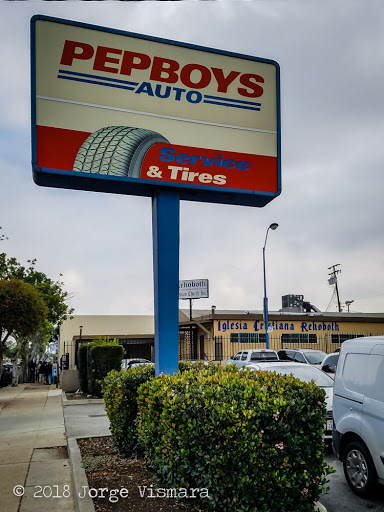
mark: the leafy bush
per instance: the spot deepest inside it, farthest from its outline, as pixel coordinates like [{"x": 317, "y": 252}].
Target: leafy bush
[
  {"x": 254, "y": 440},
  {"x": 82, "y": 366},
  {"x": 102, "y": 358},
  {"x": 82, "y": 359},
  {"x": 120, "y": 397}
]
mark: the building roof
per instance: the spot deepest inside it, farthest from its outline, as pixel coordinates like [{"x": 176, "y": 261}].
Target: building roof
[{"x": 202, "y": 315}]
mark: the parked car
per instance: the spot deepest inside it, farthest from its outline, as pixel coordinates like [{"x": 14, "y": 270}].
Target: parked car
[
  {"x": 305, "y": 372},
  {"x": 6, "y": 377},
  {"x": 358, "y": 436},
  {"x": 302, "y": 355},
  {"x": 245, "y": 357},
  {"x": 329, "y": 364},
  {"x": 126, "y": 364}
]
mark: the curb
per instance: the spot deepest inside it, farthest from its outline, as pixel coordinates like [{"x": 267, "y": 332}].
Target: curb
[
  {"x": 67, "y": 402},
  {"x": 79, "y": 478}
]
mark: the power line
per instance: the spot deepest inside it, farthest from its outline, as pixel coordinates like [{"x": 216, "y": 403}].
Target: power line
[{"x": 331, "y": 301}]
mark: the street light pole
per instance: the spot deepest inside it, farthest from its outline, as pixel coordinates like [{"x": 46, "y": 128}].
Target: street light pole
[{"x": 273, "y": 226}]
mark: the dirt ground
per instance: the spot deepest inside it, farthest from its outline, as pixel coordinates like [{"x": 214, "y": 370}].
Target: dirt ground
[{"x": 106, "y": 469}]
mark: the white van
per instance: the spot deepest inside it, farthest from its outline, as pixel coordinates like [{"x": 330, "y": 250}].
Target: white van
[{"x": 358, "y": 413}]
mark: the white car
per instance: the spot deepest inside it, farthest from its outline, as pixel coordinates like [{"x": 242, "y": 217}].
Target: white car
[
  {"x": 250, "y": 355},
  {"x": 329, "y": 364},
  {"x": 305, "y": 372},
  {"x": 358, "y": 436},
  {"x": 126, "y": 364},
  {"x": 302, "y": 355}
]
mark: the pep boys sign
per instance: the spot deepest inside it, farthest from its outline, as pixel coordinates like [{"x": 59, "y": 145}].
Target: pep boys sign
[{"x": 127, "y": 113}]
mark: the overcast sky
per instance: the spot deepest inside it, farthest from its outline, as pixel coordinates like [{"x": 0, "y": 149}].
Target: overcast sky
[{"x": 331, "y": 208}]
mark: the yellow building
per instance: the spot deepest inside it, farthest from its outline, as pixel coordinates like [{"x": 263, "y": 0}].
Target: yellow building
[
  {"x": 231, "y": 331},
  {"x": 214, "y": 335}
]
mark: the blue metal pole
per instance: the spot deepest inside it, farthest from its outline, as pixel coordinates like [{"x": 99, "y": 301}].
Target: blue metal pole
[
  {"x": 265, "y": 300},
  {"x": 273, "y": 226},
  {"x": 166, "y": 241}
]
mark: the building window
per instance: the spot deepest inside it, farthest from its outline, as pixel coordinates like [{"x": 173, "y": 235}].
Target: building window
[
  {"x": 297, "y": 338},
  {"x": 338, "y": 339},
  {"x": 247, "y": 337},
  {"x": 218, "y": 348}
]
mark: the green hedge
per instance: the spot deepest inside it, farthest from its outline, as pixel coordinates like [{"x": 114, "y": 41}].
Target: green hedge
[
  {"x": 254, "y": 440},
  {"x": 120, "y": 397},
  {"x": 101, "y": 360},
  {"x": 82, "y": 366}
]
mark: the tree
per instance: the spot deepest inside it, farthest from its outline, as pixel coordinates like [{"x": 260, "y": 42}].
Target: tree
[
  {"x": 54, "y": 297},
  {"x": 52, "y": 291},
  {"x": 22, "y": 310}
]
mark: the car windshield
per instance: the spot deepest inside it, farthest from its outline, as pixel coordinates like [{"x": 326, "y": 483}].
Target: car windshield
[
  {"x": 305, "y": 373},
  {"x": 315, "y": 357}
]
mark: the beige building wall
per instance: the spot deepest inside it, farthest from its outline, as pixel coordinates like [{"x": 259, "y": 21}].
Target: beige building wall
[
  {"x": 91, "y": 326},
  {"x": 107, "y": 325}
]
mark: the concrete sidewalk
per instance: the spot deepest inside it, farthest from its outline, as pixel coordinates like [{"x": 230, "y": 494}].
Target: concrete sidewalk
[{"x": 34, "y": 466}]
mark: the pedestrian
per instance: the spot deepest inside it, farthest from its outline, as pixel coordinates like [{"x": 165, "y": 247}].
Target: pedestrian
[
  {"x": 43, "y": 372},
  {"x": 15, "y": 373},
  {"x": 49, "y": 372},
  {"x": 32, "y": 370}
]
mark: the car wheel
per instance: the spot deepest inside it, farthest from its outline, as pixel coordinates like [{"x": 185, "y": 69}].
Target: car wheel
[
  {"x": 116, "y": 150},
  {"x": 359, "y": 469}
]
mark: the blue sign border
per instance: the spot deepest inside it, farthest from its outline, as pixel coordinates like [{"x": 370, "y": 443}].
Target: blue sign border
[{"x": 132, "y": 186}]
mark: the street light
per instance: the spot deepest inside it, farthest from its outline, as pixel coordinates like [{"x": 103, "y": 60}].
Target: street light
[{"x": 273, "y": 226}]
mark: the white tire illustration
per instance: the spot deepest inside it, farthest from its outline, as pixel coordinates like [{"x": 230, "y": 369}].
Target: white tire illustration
[{"x": 116, "y": 150}]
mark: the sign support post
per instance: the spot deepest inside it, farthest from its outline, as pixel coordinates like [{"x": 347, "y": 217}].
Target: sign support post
[
  {"x": 113, "y": 124},
  {"x": 191, "y": 330},
  {"x": 166, "y": 241}
]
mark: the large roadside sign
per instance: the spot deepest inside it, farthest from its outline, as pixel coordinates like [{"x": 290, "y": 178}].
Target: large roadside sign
[{"x": 126, "y": 113}]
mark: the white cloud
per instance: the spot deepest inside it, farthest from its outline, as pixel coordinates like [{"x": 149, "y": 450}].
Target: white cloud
[{"x": 330, "y": 210}]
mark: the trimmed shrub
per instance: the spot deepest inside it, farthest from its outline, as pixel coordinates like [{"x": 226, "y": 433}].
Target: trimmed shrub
[
  {"x": 120, "y": 397},
  {"x": 101, "y": 360},
  {"x": 120, "y": 390},
  {"x": 82, "y": 366},
  {"x": 254, "y": 440}
]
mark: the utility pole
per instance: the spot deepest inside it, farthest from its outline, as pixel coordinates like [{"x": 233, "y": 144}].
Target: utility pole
[{"x": 333, "y": 280}]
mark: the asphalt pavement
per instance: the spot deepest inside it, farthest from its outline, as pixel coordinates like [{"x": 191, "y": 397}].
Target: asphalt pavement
[{"x": 340, "y": 498}]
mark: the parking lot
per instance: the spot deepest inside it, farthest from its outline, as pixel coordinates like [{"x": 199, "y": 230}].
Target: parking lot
[{"x": 340, "y": 498}]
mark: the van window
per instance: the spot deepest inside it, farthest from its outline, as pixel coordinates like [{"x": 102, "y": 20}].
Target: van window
[
  {"x": 375, "y": 381},
  {"x": 364, "y": 374}
]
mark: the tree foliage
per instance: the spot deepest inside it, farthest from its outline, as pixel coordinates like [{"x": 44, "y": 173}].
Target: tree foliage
[
  {"x": 31, "y": 336},
  {"x": 22, "y": 309},
  {"x": 51, "y": 291}
]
